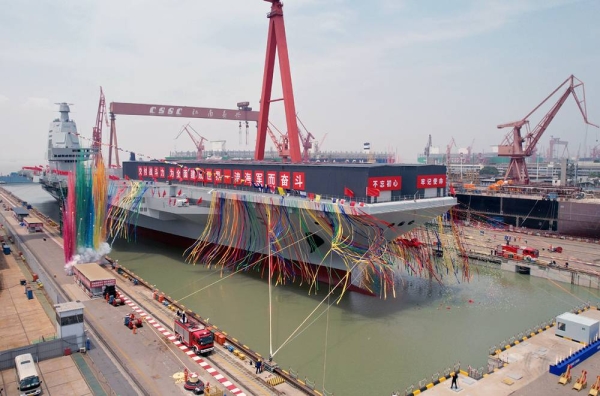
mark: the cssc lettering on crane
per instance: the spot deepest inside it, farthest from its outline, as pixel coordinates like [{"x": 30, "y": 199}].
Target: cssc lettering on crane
[{"x": 166, "y": 110}]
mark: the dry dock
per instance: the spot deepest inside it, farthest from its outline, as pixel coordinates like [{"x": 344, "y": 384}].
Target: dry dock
[
  {"x": 526, "y": 370},
  {"x": 148, "y": 360}
]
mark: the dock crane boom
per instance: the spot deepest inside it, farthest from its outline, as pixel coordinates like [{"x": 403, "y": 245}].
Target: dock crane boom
[
  {"x": 97, "y": 131},
  {"x": 427, "y": 150},
  {"x": 512, "y": 145},
  {"x": 198, "y": 143}
]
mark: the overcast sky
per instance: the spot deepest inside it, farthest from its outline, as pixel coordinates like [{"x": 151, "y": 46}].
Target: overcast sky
[{"x": 388, "y": 72}]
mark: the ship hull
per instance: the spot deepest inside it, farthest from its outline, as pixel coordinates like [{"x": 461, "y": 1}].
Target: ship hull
[
  {"x": 309, "y": 245},
  {"x": 323, "y": 274},
  {"x": 563, "y": 216}
]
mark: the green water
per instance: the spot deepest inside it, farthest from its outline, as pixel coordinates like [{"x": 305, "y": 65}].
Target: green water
[{"x": 363, "y": 345}]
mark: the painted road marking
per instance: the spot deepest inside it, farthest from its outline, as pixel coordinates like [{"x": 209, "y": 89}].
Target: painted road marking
[{"x": 201, "y": 362}]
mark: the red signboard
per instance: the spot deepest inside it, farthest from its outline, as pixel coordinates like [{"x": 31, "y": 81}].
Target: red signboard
[
  {"x": 227, "y": 176},
  {"x": 237, "y": 177},
  {"x": 182, "y": 111},
  {"x": 386, "y": 183},
  {"x": 248, "y": 177},
  {"x": 431, "y": 181},
  {"x": 272, "y": 179},
  {"x": 284, "y": 180},
  {"x": 298, "y": 181},
  {"x": 259, "y": 178}
]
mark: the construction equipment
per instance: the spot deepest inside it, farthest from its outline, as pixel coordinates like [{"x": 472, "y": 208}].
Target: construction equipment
[
  {"x": 595, "y": 389},
  {"x": 566, "y": 376},
  {"x": 277, "y": 44},
  {"x": 555, "y": 142},
  {"x": 581, "y": 381},
  {"x": 519, "y": 147},
  {"x": 319, "y": 144},
  {"x": 427, "y": 150},
  {"x": 97, "y": 132},
  {"x": 306, "y": 141},
  {"x": 448, "y": 151},
  {"x": 281, "y": 144},
  {"x": 199, "y": 143}
]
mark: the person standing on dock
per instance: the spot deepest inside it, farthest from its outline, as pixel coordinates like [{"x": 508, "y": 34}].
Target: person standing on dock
[
  {"x": 454, "y": 384},
  {"x": 258, "y": 366}
]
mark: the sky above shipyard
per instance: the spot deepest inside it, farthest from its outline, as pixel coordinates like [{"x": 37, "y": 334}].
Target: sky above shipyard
[{"x": 388, "y": 72}]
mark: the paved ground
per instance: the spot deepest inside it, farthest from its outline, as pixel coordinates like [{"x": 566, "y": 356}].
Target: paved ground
[
  {"x": 527, "y": 371},
  {"x": 60, "y": 376},
  {"x": 148, "y": 358}
]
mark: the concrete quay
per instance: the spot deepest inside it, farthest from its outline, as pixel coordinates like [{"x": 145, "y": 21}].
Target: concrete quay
[
  {"x": 525, "y": 372},
  {"x": 148, "y": 362},
  {"x": 144, "y": 363}
]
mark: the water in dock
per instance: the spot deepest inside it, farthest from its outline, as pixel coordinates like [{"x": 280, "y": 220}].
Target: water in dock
[{"x": 363, "y": 345}]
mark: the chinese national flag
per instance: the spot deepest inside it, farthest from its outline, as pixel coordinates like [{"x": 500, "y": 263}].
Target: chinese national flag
[
  {"x": 348, "y": 192},
  {"x": 179, "y": 192},
  {"x": 372, "y": 192},
  {"x": 126, "y": 177},
  {"x": 164, "y": 193},
  {"x": 199, "y": 201},
  {"x": 452, "y": 191}
]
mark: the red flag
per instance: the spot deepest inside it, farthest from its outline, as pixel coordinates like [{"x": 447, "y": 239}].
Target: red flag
[
  {"x": 164, "y": 193},
  {"x": 152, "y": 192},
  {"x": 179, "y": 192},
  {"x": 372, "y": 192},
  {"x": 126, "y": 177},
  {"x": 199, "y": 201},
  {"x": 452, "y": 191},
  {"x": 348, "y": 192},
  {"x": 311, "y": 196}
]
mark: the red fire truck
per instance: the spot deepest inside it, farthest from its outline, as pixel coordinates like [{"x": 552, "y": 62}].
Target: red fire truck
[
  {"x": 512, "y": 252},
  {"x": 194, "y": 335}
]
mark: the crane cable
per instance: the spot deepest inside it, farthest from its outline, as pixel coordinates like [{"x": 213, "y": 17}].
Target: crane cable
[{"x": 342, "y": 280}]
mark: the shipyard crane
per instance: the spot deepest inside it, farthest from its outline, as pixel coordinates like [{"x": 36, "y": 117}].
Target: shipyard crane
[
  {"x": 427, "y": 150},
  {"x": 319, "y": 145},
  {"x": 97, "y": 131},
  {"x": 470, "y": 150},
  {"x": 519, "y": 147},
  {"x": 448, "y": 149},
  {"x": 556, "y": 142},
  {"x": 282, "y": 144},
  {"x": 199, "y": 143},
  {"x": 306, "y": 141},
  {"x": 595, "y": 153}
]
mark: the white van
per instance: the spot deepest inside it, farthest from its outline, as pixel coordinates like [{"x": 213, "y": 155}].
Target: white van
[{"x": 28, "y": 380}]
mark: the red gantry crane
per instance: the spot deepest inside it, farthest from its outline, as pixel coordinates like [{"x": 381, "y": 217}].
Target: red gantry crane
[
  {"x": 199, "y": 143},
  {"x": 97, "y": 132},
  {"x": 518, "y": 147},
  {"x": 277, "y": 45}
]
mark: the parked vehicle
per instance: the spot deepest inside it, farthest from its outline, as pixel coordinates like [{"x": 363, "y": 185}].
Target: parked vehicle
[
  {"x": 194, "y": 335},
  {"x": 28, "y": 379},
  {"x": 513, "y": 252}
]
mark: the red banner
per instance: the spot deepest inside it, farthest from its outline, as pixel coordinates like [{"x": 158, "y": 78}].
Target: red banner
[
  {"x": 431, "y": 181},
  {"x": 385, "y": 183}
]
